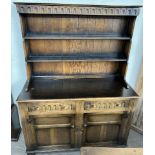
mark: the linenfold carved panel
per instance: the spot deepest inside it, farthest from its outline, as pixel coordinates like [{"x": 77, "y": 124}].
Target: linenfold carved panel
[
  {"x": 38, "y": 108},
  {"x": 36, "y": 9}
]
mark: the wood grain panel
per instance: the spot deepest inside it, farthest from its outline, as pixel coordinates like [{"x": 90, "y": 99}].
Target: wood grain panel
[
  {"x": 111, "y": 151},
  {"x": 53, "y": 120},
  {"x": 46, "y": 47},
  {"x": 34, "y": 24},
  {"x": 57, "y": 47},
  {"x": 76, "y": 24},
  {"x": 75, "y": 67},
  {"x": 53, "y": 136},
  {"x": 48, "y": 68},
  {"x": 103, "y": 118},
  {"x": 28, "y": 130},
  {"x": 90, "y": 67},
  {"x": 93, "y": 134},
  {"x": 49, "y": 132},
  {"x": 102, "y": 128},
  {"x": 60, "y": 136},
  {"x": 102, "y": 133},
  {"x": 43, "y": 136},
  {"x": 112, "y": 132}
]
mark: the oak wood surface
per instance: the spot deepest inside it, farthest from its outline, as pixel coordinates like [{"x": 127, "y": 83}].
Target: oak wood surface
[
  {"x": 110, "y": 151},
  {"x": 51, "y": 47},
  {"x": 76, "y": 88},
  {"x": 75, "y": 67},
  {"x": 77, "y": 36},
  {"x": 77, "y": 24},
  {"x": 76, "y": 59},
  {"x": 79, "y": 57}
]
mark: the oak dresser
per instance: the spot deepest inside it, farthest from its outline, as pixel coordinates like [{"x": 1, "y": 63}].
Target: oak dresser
[{"x": 76, "y": 93}]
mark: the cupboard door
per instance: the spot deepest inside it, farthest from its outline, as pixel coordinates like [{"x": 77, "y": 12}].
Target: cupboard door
[
  {"x": 54, "y": 131},
  {"x": 101, "y": 129}
]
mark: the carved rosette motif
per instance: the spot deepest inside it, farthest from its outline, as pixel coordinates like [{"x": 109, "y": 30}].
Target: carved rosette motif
[
  {"x": 107, "y": 105},
  {"x": 50, "y": 107},
  {"x": 38, "y": 9}
]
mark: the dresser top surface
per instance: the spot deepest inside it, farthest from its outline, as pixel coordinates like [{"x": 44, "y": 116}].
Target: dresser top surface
[{"x": 46, "y": 89}]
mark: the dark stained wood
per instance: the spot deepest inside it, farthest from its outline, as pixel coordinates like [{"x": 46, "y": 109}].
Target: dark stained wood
[
  {"x": 76, "y": 59},
  {"x": 76, "y": 47},
  {"x": 82, "y": 57},
  {"x": 76, "y": 88},
  {"x": 77, "y": 36},
  {"x": 75, "y": 67},
  {"x": 76, "y": 24}
]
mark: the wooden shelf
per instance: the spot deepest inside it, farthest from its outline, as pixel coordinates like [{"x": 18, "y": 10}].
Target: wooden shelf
[
  {"x": 44, "y": 88},
  {"x": 73, "y": 76},
  {"x": 105, "y": 36},
  {"x": 84, "y": 57}
]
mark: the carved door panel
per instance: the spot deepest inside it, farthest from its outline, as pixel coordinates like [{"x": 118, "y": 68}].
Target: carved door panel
[
  {"x": 101, "y": 129},
  {"x": 54, "y": 130}
]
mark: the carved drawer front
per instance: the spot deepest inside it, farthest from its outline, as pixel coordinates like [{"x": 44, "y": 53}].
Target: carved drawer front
[
  {"x": 58, "y": 107},
  {"x": 107, "y": 106}
]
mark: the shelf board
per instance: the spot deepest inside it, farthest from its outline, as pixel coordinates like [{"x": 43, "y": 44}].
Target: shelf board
[
  {"x": 104, "y": 36},
  {"x": 45, "y": 89},
  {"x": 74, "y": 76},
  {"x": 84, "y": 57}
]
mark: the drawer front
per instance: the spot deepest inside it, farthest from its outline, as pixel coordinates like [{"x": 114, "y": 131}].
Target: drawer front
[
  {"x": 107, "y": 106},
  {"x": 57, "y": 107},
  {"x": 87, "y": 106}
]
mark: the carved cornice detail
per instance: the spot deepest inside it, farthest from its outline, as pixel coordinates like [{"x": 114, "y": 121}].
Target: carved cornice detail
[{"x": 79, "y": 10}]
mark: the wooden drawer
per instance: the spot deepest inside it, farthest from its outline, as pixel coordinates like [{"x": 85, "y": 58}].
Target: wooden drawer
[
  {"x": 109, "y": 106},
  {"x": 56, "y": 107},
  {"x": 87, "y": 106}
]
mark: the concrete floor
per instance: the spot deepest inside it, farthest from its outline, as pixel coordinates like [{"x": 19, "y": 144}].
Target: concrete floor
[{"x": 18, "y": 148}]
